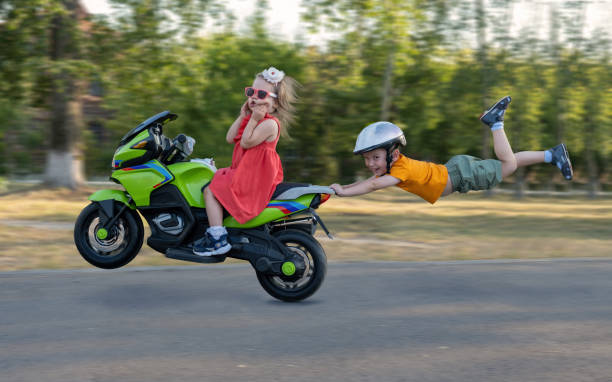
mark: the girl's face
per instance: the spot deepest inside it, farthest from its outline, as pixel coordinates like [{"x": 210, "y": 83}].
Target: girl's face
[{"x": 269, "y": 101}]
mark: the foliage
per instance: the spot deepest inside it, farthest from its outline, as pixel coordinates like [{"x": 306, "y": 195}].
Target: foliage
[{"x": 411, "y": 62}]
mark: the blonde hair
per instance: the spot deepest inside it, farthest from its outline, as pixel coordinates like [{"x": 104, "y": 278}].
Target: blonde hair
[{"x": 287, "y": 97}]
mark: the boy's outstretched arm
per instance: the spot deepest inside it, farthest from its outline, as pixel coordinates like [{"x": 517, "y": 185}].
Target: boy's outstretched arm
[{"x": 365, "y": 186}]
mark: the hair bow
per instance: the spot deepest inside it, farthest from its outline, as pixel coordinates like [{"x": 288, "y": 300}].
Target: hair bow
[{"x": 273, "y": 75}]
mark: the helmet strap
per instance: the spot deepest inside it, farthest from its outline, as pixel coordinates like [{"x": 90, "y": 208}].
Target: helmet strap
[{"x": 390, "y": 156}]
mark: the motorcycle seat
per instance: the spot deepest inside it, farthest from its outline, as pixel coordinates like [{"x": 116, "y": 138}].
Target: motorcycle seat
[{"x": 290, "y": 191}]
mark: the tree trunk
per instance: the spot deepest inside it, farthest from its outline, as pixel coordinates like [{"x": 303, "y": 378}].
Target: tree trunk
[
  {"x": 387, "y": 88},
  {"x": 64, "y": 169},
  {"x": 519, "y": 175},
  {"x": 594, "y": 186},
  {"x": 521, "y": 183},
  {"x": 592, "y": 108},
  {"x": 64, "y": 166},
  {"x": 484, "y": 73}
]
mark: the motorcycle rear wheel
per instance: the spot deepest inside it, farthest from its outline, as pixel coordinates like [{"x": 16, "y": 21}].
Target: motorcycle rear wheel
[
  {"x": 305, "y": 246},
  {"x": 121, "y": 244}
]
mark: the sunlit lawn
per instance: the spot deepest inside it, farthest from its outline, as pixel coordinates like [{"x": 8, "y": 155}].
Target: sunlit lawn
[
  {"x": 471, "y": 227},
  {"x": 386, "y": 225}
]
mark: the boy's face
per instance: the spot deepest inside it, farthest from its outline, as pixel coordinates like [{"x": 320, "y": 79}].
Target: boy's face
[{"x": 376, "y": 161}]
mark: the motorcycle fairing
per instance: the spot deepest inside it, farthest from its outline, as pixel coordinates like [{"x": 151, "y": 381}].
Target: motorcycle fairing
[
  {"x": 286, "y": 207},
  {"x": 190, "y": 178},
  {"x": 275, "y": 210},
  {"x": 141, "y": 180},
  {"x": 141, "y": 149}
]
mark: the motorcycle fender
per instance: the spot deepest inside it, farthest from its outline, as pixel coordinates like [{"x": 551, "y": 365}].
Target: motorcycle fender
[{"x": 107, "y": 199}]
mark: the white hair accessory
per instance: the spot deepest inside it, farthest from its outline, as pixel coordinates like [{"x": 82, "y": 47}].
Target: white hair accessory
[{"x": 273, "y": 75}]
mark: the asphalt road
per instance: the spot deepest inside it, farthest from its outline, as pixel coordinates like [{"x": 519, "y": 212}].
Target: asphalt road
[{"x": 466, "y": 321}]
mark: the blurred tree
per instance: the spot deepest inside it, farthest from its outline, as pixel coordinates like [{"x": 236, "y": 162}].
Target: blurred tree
[
  {"x": 64, "y": 165},
  {"x": 51, "y": 48},
  {"x": 482, "y": 57},
  {"x": 40, "y": 62},
  {"x": 374, "y": 48},
  {"x": 595, "y": 111},
  {"x": 429, "y": 66},
  {"x": 148, "y": 60},
  {"x": 557, "y": 106}
]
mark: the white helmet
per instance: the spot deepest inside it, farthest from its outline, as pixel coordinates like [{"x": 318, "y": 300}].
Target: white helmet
[{"x": 379, "y": 135}]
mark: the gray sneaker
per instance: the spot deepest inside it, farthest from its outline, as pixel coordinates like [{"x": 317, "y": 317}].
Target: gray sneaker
[
  {"x": 496, "y": 112},
  {"x": 561, "y": 159},
  {"x": 211, "y": 246}
]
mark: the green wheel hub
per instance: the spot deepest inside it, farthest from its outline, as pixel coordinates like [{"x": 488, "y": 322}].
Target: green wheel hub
[
  {"x": 288, "y": 268},
  {"x": 102, "y": 234}
]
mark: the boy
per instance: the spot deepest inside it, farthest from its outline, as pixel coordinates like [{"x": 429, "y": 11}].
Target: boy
[{"x": 379, "y": 143}]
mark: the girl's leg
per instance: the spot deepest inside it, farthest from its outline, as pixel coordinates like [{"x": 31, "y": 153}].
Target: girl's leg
[
  {"x": 214, "y": 210},
  {"x": 215, "y": 241}
]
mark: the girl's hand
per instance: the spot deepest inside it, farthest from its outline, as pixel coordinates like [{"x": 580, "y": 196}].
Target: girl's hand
[
  {"x": 259, "y": 112},
  {"x": 337, "y": 189},
  {"x": 244, "y": 110}
]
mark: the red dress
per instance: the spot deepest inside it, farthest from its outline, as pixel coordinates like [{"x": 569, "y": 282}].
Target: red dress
[{"x": 245, "y": 188}]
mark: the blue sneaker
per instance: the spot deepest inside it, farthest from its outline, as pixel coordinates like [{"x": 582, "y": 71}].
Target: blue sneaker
[
  {"x": 496, "y": 112},
  {"x": 209, "y": 246},
  {"x": 561, "y": 159}
]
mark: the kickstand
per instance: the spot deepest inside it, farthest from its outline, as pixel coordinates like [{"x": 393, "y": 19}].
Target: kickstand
[{"x": 318, "y": 219}]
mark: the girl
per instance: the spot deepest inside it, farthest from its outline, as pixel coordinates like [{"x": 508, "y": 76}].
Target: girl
[{"x": 245, "y": 188}]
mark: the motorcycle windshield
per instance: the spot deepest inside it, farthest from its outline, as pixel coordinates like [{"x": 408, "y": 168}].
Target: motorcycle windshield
[{"x": 157, "y": 118}]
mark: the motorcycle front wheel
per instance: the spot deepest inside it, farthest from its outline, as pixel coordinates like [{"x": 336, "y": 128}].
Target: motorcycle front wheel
[
  {"x": 295, "y": 289},
  {"x": 111, "y": 248}
]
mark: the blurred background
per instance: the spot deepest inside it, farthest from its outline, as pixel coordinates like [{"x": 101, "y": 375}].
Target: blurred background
[{"x": 76, "y": 75}]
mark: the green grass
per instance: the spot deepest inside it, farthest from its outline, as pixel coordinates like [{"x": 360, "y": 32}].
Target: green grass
[
  {"x": 474, "y": 227},
  {"x": 386, "y": 225}
]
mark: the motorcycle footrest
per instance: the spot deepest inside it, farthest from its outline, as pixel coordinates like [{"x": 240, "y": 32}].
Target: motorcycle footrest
[{"x": 186, "y": 254}]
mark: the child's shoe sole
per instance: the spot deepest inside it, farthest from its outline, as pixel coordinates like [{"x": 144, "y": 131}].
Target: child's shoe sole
[
  {"x": 565, "y": 166},
  {"x": 496, "y": 112},
  {"x": 218, "y": 251}
]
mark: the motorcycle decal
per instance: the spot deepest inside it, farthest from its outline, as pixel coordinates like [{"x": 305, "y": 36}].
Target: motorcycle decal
[
  {"x": 152, "y": 165},
  {"x": 287, "y": 207},
  {"x": 117, "y": 163}
]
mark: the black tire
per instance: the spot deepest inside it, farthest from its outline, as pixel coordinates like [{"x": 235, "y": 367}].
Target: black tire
[
  {"x": 119, "y": 248},
  {"x": 311, "y": 251}
]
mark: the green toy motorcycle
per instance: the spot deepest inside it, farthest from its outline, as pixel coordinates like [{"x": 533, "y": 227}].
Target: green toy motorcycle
[{"x": 166, "y": 188}]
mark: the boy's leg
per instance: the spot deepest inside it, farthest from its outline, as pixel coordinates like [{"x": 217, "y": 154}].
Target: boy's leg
[
  {"x": 504, "y": 153},
  {"x": 557, "y": 156},
  {"x": 494, "y": 118},
  {"x": 526, "y": 158}
]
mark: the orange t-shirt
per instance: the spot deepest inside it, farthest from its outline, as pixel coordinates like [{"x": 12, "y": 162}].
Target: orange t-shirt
[{"x": 425, "y": 179}]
